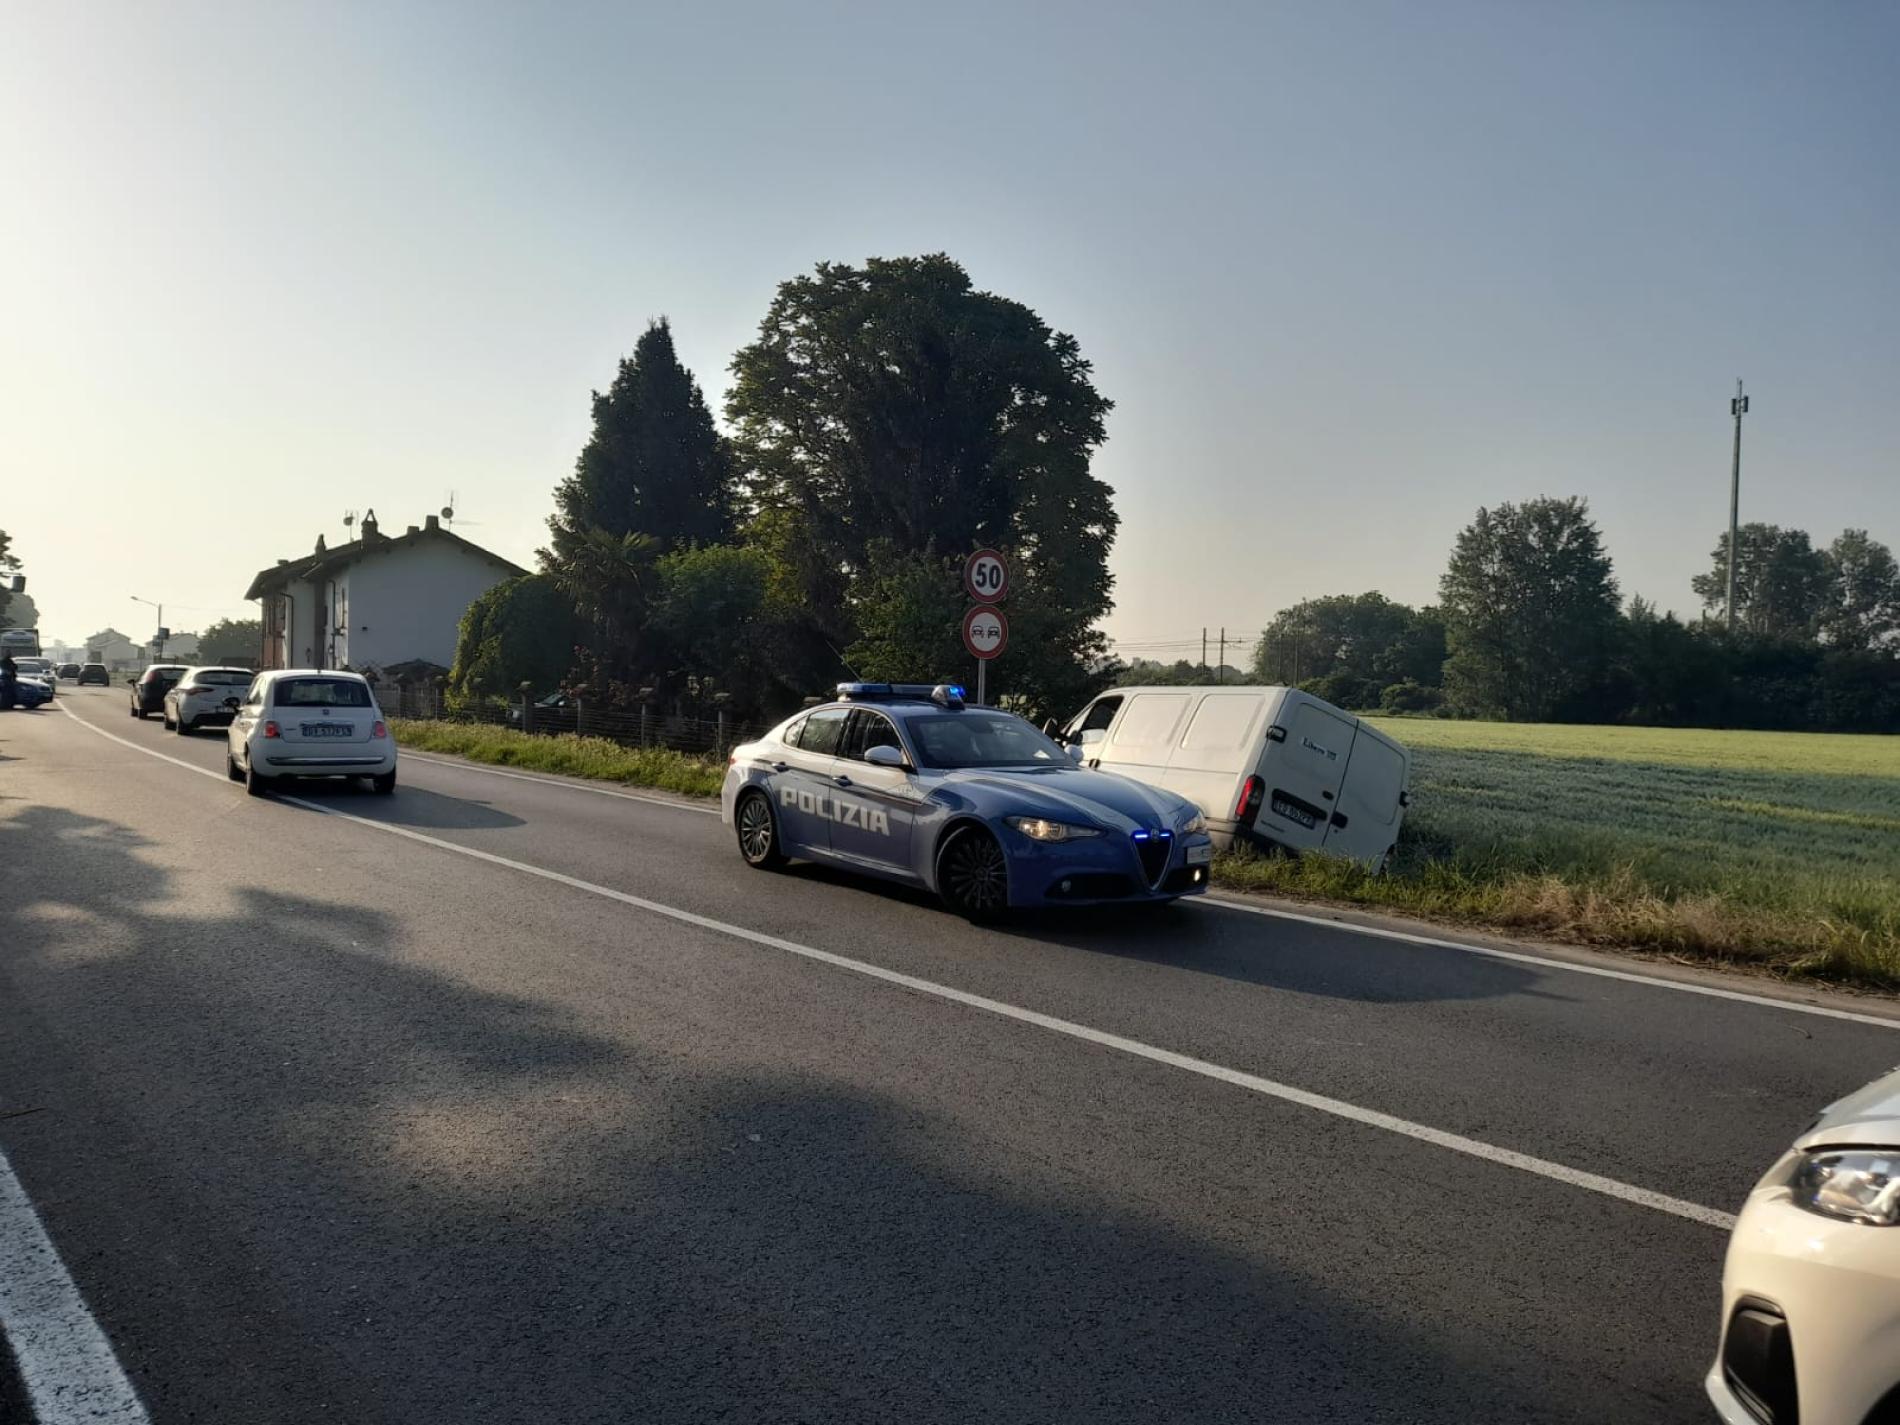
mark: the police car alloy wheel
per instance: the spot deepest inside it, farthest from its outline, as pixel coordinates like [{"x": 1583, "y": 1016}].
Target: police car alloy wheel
[
  {"x": 758, "y": 835},
  {"x": 973, "y": 876}
]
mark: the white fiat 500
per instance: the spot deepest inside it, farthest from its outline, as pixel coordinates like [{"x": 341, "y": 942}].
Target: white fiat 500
[
  {"x": 201, "y": 698},
  {"x": 308, "y": 722},
  {"x": 1811, "y": 1290}
]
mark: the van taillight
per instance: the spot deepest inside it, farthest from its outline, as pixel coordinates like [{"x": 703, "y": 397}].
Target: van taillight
[
  {"x": 270, "y": 730},
  {"x": 1248, "y": 807}
]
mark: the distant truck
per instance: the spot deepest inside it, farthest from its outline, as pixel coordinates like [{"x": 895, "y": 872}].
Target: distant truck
[
  {"x": 20, "y": 642},
  {"x": 1264, "y": 764}
]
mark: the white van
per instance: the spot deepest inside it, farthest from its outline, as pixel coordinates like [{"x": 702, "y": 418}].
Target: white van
[{"x": 1267, "y": 764}]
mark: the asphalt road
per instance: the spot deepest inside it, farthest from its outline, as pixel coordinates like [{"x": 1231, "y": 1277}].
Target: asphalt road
[{"x": 330, "y": 1119}]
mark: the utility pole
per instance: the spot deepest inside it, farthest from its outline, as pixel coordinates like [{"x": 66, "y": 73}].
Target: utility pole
[
  {"x": 1203, "y": 645},
  {"x": 1737, "y": 408},
  {"x": 1220, "y": 673}
]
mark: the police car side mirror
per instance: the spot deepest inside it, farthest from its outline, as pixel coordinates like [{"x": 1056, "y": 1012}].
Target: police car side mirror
[{"x": 885, "y": 756}]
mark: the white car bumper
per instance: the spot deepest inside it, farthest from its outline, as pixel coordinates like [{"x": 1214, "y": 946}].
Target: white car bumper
[{"x": 1835, "y": 1287}]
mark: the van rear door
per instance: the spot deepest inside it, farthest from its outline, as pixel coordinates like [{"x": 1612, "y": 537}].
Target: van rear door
[
  {"x": 1365, "y": 821},
  {"x": 1217, "y": 751},
  {"x": 1303, "y": 771}
]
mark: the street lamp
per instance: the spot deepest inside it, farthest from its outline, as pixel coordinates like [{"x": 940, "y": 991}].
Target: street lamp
[{"x": 160, "y": 640}]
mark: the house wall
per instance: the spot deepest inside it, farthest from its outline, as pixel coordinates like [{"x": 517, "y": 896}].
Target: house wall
[
  {"x": 408, "y": 603},
  {"x": 296, "y": 646}
]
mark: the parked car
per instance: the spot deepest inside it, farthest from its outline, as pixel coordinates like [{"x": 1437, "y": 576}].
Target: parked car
[
  {"x": 1811, "y": 1288},
  {"x": 95, "y": 673},
  {"x": 202, "y": 698},
  {"x": 69, "y": 670},
  {"x": 149, "y": 688},
  {"x": 40, "y": 670},
  {"x": 553, "y": 701},
  {"x": 1266, "y": 764},
  {"x": 309, "y": 722},
  {"x": 908, "y": 783},
  {"x": 31, "y": 692}
]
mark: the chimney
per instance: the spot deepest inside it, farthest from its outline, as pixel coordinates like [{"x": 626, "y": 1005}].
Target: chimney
[
  {"x": 431, "y": 522},
  {"x": 413, "y": 530},
  {"x": 370, "y": 531},
  {"x": 320, "y": 544}
]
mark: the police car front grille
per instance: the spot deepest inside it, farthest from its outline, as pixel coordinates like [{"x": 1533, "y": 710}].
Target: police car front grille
[{"x": 1154, "y": 849}]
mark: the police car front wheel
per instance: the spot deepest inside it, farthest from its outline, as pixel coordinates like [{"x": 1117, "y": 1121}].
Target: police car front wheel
[
  {"x": 973, "y": 876},
  {"x": 758, "y": 832}
]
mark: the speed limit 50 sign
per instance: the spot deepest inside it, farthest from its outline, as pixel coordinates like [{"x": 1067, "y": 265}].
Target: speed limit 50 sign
[
  {"x": 986, "y": 577},
  {"x": 985, "y": 631}
]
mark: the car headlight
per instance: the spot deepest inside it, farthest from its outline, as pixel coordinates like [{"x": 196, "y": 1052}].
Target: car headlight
[
  {"x": 1038, "y": 829},
  {"x": 1852, "y": 1184},
  {"x": 1194, "y": 825}
]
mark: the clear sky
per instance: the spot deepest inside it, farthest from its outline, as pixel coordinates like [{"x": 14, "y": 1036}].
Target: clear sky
[{"x": 1348, "y": 270}]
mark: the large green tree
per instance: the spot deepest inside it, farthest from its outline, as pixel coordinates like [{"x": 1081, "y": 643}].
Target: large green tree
[
  {"x": 1531, "y": 610},
  {"x": 9, "y": 562},
  {"x": 893, "y": 417},
  {"x": 232, "y": 641},
  {"x": 1861, "y": 609},
  {"x": 523, "y": 630},
  {"x": 1365, "y": 637},
  {"x": 654, "y": 464},
  {"x": 1781, "y": 582}
]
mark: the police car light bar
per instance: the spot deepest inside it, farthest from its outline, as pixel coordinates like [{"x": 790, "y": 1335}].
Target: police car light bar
[{"x": 949, "y": 695}]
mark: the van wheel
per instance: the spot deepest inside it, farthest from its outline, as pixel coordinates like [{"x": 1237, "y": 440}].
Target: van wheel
[
  {"x": 973, "y": 875},
  {"x": 1385, "y": 861},
  {"x": 758, "y": 832}
]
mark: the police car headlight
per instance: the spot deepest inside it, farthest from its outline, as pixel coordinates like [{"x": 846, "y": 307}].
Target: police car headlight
[
  {"x": 1853, "y": 1184},
  {"x": 1038, "y": 829},
  {"x": 1194, "y": 824}
]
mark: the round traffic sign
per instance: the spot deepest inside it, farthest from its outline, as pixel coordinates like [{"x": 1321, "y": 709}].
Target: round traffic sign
[
  {"x": 985, "y": 631},
  {"x": 986, "y": 576}
]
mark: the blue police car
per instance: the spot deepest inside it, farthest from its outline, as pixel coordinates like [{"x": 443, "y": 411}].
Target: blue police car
[{"x": 907, "y": 782}]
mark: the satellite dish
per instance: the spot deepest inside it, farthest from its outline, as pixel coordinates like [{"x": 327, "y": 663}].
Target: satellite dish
[
  {"x": 349, "y": 518},
  {"x": 448, "y": 512}
]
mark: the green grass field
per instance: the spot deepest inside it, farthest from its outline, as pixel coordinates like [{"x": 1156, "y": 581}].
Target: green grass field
[{"x": 1777, "y": 849}]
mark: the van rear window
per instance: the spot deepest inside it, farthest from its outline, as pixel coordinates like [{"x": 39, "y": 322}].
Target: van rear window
[
  {"x": 322, "y": 693},
  {"x": 1223, "y": 722}
]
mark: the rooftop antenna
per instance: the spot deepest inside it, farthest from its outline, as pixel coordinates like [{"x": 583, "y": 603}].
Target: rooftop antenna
[
  {"x": 349, "y": 519},
  {"x": 448, "y": 512}
]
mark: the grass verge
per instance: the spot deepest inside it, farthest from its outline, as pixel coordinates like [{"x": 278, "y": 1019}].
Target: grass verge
[
  {"x": 565, "y": 755},
  {"x": 1772, "y": 852}
]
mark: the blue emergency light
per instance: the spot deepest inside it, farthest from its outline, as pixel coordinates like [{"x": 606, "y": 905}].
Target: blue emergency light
[{"x": 949, "y": 695}]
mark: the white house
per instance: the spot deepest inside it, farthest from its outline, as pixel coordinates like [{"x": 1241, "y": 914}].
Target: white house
[{"x": 377, "y": 601}]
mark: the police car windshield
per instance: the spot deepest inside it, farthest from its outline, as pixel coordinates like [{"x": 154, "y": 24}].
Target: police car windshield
[{"x": 970, "y": 738}]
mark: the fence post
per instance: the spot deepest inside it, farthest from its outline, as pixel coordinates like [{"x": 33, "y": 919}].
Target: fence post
[
  {"x": 527, "y": 708},
  {"x": 720, "y": 749},
  {"x": 580, "y": 717},
  {"x": 643, "y": 724}
]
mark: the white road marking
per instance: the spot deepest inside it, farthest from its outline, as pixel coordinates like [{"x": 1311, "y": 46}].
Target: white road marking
[
  {"x": 567, "y": 784},
  {"x": 65, "y": 1362},
  {"x": 1601, "y": 971},
  {"x": 1434, "y": 942},
  {"x": 1287, "y": 1093}
]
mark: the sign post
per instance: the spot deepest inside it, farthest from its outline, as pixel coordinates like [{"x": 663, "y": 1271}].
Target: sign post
[{"x": 985, "y": 630}]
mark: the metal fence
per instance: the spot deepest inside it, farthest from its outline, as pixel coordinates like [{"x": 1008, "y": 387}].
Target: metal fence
[{"x": 647, "y": 726}]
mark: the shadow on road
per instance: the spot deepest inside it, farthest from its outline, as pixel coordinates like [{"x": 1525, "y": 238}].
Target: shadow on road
[
  {"x": 302, "y": 1176},
  {"x": 409, "y": 806},
  {"x": 1254, "y": 950}
]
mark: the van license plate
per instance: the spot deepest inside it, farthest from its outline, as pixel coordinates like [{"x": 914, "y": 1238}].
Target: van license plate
[
  {"x": 1293, "y": 813},
  {"x": 327, "y": 729}
]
